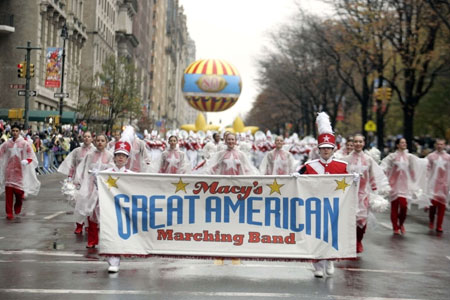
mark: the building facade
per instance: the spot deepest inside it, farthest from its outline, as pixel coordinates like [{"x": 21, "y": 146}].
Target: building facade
[
  {"x": 151, "y": 33},
  {"x": 42, "y": 25}
]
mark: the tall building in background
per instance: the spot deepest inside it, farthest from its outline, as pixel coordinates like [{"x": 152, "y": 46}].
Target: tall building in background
[
  {"x": 152, "y": 34},
  {"x": 158, "y": 92},
  {"x": 170, "y": 58},
  {"x": 143, "y": 30},
  {"x": 40, "y": 22}
]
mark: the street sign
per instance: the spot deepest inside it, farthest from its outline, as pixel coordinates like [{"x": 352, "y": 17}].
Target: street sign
[
  {"x": 370, "y": 126},
  {"x": 61, "y": 95},
  {"x": 30, "y": 93}
]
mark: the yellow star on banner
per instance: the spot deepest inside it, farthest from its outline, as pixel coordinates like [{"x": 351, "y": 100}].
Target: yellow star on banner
[
  {"x": 111, "y": 182},
  {"x": 341, "y": 185},
  {"x": 275, "y": 187},
  {"x": 180, "y": 186}
]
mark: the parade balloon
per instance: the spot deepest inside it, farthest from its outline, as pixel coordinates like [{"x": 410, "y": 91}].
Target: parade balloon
[{"x": 211, "y": 85}]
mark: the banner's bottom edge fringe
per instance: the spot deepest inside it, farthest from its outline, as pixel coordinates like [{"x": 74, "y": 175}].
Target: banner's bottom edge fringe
[{"x": 244, "y": 258}]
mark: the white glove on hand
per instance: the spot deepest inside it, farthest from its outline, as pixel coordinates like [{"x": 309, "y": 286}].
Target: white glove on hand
[
  {"x": 356, "y": 177},
  {"x": 296, "y": 174},
  {"x": 24, "y": 162}
]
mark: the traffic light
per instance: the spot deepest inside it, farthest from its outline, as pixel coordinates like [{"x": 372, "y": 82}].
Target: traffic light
[
  {"x": 22, "y": 70},
  {"x": 31, "y": 70},
  {"x": 388, "y": 94}
]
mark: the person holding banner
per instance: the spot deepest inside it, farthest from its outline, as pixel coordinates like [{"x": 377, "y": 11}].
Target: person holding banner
[
  {"x": 172, "y": 160},
  {"x": 402, "y": 170},
  {"x": 86, "y": 197},
  {"x": 230, "y": 161},
  {"x": 69, "y": 166},
  {"x": 17, "y": 172},
  {"x": 121, "y": 153},
  {"x": 372, "y": 178},
  {"x": 278, "y": 161},
  {"x": 438, "y": 184},
  {"x": 326, "y": 164}
]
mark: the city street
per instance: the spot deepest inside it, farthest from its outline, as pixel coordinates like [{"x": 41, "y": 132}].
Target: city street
[{"x": 41, "y": 258}]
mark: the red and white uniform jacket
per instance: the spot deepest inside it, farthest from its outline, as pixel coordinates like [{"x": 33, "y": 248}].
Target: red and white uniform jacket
[
  {"x": 12, "y": 172},
  {"x": 69, "y": 165},
  {"x": 278, "y": 162},
  {"x": 438, "y": 176},
  {"x": 321, "y": 166}
]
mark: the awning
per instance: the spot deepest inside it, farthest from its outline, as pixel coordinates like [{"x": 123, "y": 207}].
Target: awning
[{"x": 68, "y": 117}]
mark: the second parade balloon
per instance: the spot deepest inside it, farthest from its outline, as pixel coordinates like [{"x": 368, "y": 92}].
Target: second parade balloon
[{"x": 211, "y": 85}]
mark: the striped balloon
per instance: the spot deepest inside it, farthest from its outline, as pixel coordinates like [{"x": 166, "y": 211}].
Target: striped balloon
[{"x": 211, "y": 85}]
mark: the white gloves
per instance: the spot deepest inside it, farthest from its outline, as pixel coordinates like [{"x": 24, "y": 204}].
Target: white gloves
[
  {"x": 24, "y": 162},
  {"x": 356, "y": 177},
  {"x": 296, "y": 174}
]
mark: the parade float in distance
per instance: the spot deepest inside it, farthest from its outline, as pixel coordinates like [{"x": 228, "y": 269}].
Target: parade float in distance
[{"x": 212, "y": 85}]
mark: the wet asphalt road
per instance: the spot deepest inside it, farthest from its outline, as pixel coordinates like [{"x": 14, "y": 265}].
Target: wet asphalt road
[{"x": 413, "y": 266}]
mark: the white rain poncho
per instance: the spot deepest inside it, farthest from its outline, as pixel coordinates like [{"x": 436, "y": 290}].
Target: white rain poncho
[
  {"x": 12, "y": 172},
  {"x": 372, "y": 179},
  {"x": 405, "y": 173},
  {"x": 209, "y": 149},
  {"x": 69, "y": 165},
  {"x": 139, "y": 160},
  {"x": 278, "y": 162},
  {"x": 230, "y": 162},
  {"x": 172, "y": 162},
  {"x": 87, "y": 196},
  {"x": 438, "y": 177}
]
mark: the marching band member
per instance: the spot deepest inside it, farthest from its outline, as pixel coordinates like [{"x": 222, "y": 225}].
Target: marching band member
[
  {"x": 212, "y": 146},
  {"x": 139, "y": 160},
  {"x": 121, "y": 153},
  {"x": 372, "y": 178},
  {"x": 438, "y": 184},
  {"x": 87, "y": 196},
  {"x": 346, "y": 150},
  {"x": 17, "y": 172},
  {"x": 173, "y": 160},
  {"x": 230, "y": 161},
  {"x": 326, "y": 164},
  {"x": 69, "y": 165},
  {"x": 278, "y": 161},
  {"x": 401, "y": 169}
]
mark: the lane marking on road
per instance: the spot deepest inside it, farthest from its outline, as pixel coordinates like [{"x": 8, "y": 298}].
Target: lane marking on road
[
  {"x": 132, "y": 264},
  {"x": 192, "y": 294},
  {"x": 78, "y": 262},
  {"x": 383, "y": 271},
  {"x": 40, "y": 252},
  {"x": 2, "y": 237},
  {"x": 54, "y": 215}
]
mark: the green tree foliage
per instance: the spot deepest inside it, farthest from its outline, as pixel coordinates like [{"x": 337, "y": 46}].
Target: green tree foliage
[{"x": 113, "y": 95}]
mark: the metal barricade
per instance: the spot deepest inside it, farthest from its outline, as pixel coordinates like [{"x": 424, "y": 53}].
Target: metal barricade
[{"x": 40, "y": 158}]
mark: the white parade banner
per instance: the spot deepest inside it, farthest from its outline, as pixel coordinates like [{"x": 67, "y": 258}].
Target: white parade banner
[{"x": 269, "y": 217}]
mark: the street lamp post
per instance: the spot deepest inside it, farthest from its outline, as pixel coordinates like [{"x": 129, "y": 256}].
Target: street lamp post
[{"x": 65, "y": 36}]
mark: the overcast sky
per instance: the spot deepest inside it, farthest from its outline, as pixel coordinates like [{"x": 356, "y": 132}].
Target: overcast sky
[{"x": 237, "y": 31}]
